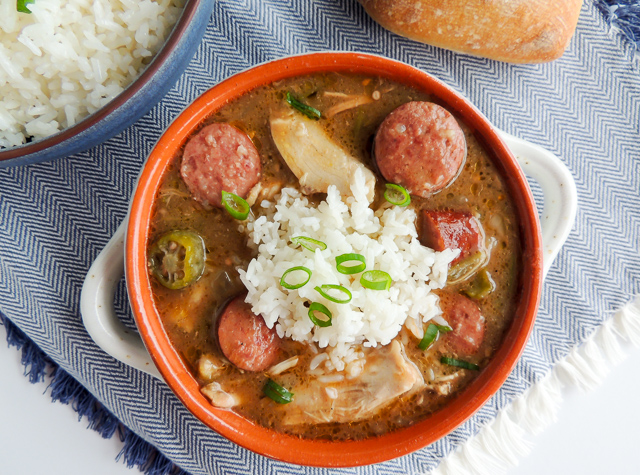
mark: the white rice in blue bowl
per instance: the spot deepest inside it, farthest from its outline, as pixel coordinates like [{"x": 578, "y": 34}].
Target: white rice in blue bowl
[{"x": 75, "y": 73}]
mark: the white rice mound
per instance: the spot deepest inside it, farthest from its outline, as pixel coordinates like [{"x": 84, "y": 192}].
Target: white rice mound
[
  {"x": 69, "y": 58},
  {"x": 389, "y": 241}
]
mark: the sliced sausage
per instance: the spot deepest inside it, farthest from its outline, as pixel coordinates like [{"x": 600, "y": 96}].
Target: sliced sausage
[
  {"x": 467, "y": 322},
  {"x": 245, "y": 339},
  {"x": 421, "y": 147},
  {"x": 220, "y": 157},
  {"x": 442, "y": 230}
]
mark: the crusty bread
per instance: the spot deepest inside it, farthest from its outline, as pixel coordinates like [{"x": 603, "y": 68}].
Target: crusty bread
[{"x": 515, "y": 31}]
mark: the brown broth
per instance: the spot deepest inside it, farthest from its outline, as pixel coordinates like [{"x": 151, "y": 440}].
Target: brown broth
[{"x": 189, "y": 315}]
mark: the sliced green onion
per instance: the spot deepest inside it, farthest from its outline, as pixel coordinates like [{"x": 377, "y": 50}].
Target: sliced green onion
[
  {"x": 323, "y": 290},
  {"x": 397, "y": 195},
  {"x": 459, "y": 363},
  {"x": 309, "y": 243},
  {"x": 236, "y": 206},
  {"x": 442, "y": 328},
  {"x": 318, "y": 307},
  {"x": 289, "y": 286},
  {"x": 344, "y": 259},
  {"x": 21, "y": 5},
  {"x": 277, "y": 393},
  {"x": 431, "y": 335},
  {"x": 376, "y": 280},
  {"x": 303, "y": 108}
]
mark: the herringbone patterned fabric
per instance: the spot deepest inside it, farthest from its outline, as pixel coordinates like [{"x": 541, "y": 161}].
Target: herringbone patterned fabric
[{"x": 56, "y": 217}]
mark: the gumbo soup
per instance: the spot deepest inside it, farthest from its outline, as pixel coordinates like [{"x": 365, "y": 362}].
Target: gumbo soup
[{"x": 334, "y": 256}]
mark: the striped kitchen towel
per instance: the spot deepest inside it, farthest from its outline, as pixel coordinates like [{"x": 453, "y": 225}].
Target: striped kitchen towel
[{"x": 584, "y": 108}]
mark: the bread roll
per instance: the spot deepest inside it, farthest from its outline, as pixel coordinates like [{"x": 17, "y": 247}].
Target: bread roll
[{"x": 514, "y": 31}]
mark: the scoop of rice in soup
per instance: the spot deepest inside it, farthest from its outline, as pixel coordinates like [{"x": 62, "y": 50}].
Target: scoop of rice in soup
[{"x": 352, "y": 277}]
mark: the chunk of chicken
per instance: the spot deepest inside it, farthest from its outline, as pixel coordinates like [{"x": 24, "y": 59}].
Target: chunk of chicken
[
  {"x": 210, "y": 366},
  {"x": 386, "y": 376},
  {"x": 313, "y": 157},
  {"x": 218, "y": 396}
]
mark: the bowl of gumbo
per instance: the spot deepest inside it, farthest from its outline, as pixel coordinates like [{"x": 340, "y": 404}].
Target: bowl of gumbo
[{"x": 333, "y": 254}]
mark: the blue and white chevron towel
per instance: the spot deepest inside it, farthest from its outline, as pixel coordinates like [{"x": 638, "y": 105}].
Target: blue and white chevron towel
[{"x": 56, "y": 217}]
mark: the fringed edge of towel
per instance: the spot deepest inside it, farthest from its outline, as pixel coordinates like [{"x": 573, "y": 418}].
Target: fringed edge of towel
[
  {"x": 136, "y": 452},
  {"x": 499, "y": 445},
  {"x": 624, "y": 15}
]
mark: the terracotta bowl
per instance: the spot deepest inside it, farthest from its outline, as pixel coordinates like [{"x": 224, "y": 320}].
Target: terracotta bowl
[{"x": 316, "y": 452}]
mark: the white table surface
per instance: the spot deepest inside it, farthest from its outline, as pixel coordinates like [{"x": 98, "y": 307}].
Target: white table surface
[{"x": 597, "y": 432}]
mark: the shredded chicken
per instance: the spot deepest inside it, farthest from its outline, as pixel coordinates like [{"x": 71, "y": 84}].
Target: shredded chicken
[
  {"x": 168, "y": 193},
  {"x": 441, "y": 383},
  {"x": 218, "y": 396},
  {"x": 335, "y": 94},
  {"x": 386, "y": 376},
  {"x": 283, "y": 366},
  {"x": 261, "y": 192},
  {"x": 253, "y": 194},
  {"x": 313, "y": 157},
  {"x": 350, "y": 102},
  {"x": 210, "y": 366}
]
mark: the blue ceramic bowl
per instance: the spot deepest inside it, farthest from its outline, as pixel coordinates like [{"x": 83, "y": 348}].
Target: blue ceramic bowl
[{"x": 134, "y": 102}]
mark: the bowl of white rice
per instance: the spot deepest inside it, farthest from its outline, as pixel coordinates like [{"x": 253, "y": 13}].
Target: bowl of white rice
[{"x": 75, "y": 73}]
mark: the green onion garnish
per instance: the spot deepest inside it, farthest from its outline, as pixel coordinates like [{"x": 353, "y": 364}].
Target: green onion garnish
[
  {"x": 303, "y": 108},
  {"x": 431, "y": 335},
  {"x": 350, "y": 269},
  {"x": 289, "y": 286},
  {"x": 318, "y": 307},
  {"x": 309, "y": 243},
  {"x": 324, "y": 289},
  {"x": 277, "y": 393},
  {"x": 21, "y": 5},
  {"x": 236, "y": 206},
  {"x": 397, "y": 195},
  {"x": 376, "y": 280},
  {"x": 459, "y": 363}
]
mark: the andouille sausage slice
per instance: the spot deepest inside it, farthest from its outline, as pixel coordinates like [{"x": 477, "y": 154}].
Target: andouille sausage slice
[
  {"x": 441, "y": 229},
  {"x": 467, "y": 322},
  {"x": 245, "y": 339},
  {"x": 220, "y": 157},
  {"x": 421, "y": 147}
]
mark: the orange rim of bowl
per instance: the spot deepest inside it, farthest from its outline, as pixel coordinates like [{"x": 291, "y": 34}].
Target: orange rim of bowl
[
  {"x": 267, "y": 442},
  {"x": 89, "y": 121}
]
